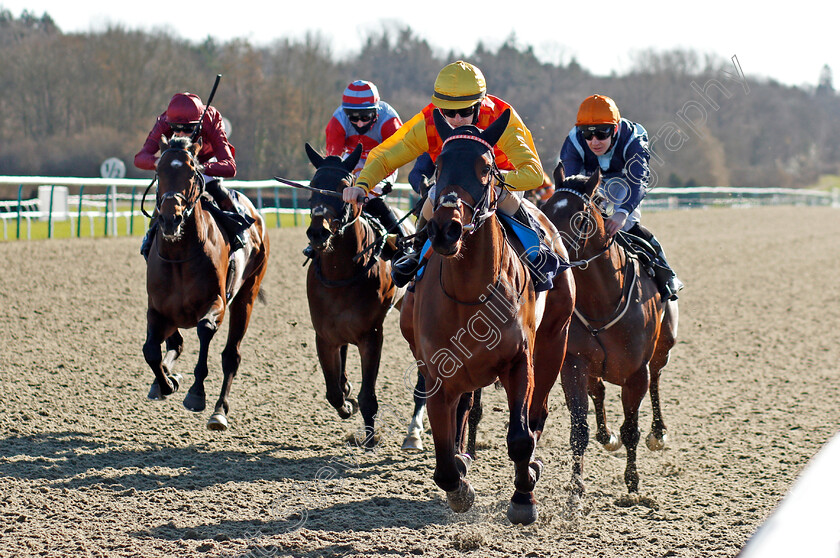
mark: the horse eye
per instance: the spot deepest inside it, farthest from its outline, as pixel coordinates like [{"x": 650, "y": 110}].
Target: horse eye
[{"x": 486, "y": 169}]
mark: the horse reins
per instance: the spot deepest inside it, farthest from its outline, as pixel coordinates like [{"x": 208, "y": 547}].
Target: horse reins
[{"x": 627, "y": 288}]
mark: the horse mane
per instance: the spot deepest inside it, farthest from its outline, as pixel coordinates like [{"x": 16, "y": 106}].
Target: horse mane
[
  {"x": 180, "y": 142},
  {"x": 577, "y": 183}
]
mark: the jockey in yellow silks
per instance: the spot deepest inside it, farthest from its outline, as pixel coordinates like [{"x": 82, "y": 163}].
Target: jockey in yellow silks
[{"x": 460, "y": 93}]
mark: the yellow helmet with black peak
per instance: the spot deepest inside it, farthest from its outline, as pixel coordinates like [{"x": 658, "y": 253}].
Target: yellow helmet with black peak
[{"x": 459, "y": 85}]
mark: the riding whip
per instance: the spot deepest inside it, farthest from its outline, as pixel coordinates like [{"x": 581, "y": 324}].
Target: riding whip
[
  {"x": 310, "y": 188},
  {"x": 197, "y": 130}
]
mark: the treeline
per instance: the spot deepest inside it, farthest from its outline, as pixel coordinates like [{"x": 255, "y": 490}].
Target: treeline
[{"x": 69, "y": 101}]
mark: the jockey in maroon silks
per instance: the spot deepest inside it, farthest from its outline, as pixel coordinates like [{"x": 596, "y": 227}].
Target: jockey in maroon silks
[{"x": 181, "y": 118}]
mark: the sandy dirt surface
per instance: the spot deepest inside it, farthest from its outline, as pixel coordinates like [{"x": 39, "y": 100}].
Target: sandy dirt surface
[{"x": 89, "y": 467}]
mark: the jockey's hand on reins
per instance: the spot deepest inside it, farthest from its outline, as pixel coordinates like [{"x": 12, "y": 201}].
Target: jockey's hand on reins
[{"x": 353, "y": 194}]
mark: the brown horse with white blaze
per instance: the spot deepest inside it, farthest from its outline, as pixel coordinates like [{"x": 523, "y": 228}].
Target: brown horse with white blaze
[
  {"x": 192, "y": 280},
  {"x": 623, "y": 331},
  {"x": 475, "y": 317}
]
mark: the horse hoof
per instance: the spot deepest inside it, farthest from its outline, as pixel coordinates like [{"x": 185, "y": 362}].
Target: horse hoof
[
  {"x": 154, "y": 393},
  {"x": 351, "y": 406},
  {"x": 461, "y": 499},
  {"x": 371, "y": 438},
  {"x": 195, "y": 403},
  {"x": 524, "y": 511},
  {"x": 412, "y": 442},
  {"x": 158, "y": 394},
  {"x": 655, "y": 443},
  {"x": 614, "y": 443},
  {"x": 217, "y": 421}
]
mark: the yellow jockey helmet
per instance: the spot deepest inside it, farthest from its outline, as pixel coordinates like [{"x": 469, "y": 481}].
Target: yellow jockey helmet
[{"x": 459, "y": 85}]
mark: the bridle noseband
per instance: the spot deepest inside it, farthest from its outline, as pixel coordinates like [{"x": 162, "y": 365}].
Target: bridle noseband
[
  {"x": 482, "y": 209},
  {"x": 588, "y": 206}
]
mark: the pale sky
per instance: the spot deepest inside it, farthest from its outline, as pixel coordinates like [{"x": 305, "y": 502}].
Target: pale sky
[{"x": 789, "y": 43}]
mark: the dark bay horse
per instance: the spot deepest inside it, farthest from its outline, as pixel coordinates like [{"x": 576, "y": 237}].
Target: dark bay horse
[
  {"x": 622, "y": 332},
  {"x": 190, "y": 281},
  {"x": 349, "y": 288},
  {"x": 474, "y": 317}
]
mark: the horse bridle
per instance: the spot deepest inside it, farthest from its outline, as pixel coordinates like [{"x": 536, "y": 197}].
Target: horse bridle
[
  {"x": 196, "y": 175},
  {"x": 482, "y": 209},
  {"x": 344, "y": 221},
  {"x": 588, "y": 206}
]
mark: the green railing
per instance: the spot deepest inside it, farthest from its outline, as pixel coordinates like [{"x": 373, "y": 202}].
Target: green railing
[
  {"x": 62, "y": 205},
  {"x": 67, "y": 207}
]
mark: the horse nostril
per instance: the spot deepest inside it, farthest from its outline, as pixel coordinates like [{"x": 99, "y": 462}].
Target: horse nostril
[{"x": 453, "y": 232}]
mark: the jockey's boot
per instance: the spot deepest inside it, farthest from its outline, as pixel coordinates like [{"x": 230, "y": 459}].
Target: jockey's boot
[
  {"x": 224, "y": 200},
  {"x": 378, "y": 209},
  {"x": 146, "y": 245},
  {"x": 666, "y": 279},
  {"x": 404, "y": 265}
]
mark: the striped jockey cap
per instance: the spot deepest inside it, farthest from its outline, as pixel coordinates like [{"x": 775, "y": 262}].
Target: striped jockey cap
[{"x": 360, "y": 95}]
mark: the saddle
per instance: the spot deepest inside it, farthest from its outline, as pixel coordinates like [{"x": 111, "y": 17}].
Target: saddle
[
  {"x": 542, "y": 262},
  {"x": 640, "y": 249},
  {"x": 234, "y": 222}
]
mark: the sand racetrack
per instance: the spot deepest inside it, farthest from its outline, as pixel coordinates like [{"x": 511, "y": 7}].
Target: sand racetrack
[{"x": 89, "y": 467}]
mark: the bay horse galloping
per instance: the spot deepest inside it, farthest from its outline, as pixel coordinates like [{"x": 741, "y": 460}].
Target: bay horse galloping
[
  {"x": 475, "y": 317},
  {"x": 349, "y": 287},
  {"x": 192, "y": 279},
  {"x": 623, "y": 331}
]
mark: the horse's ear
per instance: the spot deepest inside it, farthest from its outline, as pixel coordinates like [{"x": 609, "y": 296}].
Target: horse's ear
[
  {"x": 163, "y": 144},
  {"x": 593, "y": 182},
  {"x": 314, "y": 157},
  {"x": 444, "y": 130},
  {"x": 353, "y": 159},
  {"x": 195, "y": 147},
  {"x": 559, "y": 173},
  {"x": 495, "y": 130}
]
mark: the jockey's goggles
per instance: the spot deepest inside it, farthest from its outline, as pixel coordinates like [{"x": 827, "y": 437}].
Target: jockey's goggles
[
  {"x": 365, "y": 116},
  {"x": 463, "y": 113},
  {"x": 599, "y": 132},
  {"x": 179, "y": 128}
]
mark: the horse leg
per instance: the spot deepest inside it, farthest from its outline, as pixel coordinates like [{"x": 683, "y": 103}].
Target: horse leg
[
  {"x": 632, "y": 393},
  {"x": 476, "y": 412},
  {"x": 574, "y": 378},
  {"x": 165, "y": 383},
  {"x": 462, "y": 412},
  {"x": 414, "y": 438},
  {"x": 240, "y": 315},
  {"x": 603, "y": 435},
  {"x": 449, "y": 469},
  {"x": 370, "y": 351},
  {"x": 521, "y": 442},
  {"x": 174, "y": 347},
  {"x": 196, "y": 400},
  {"x": 658, "y": 435},
  {"x": 332, "y": 365}
]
